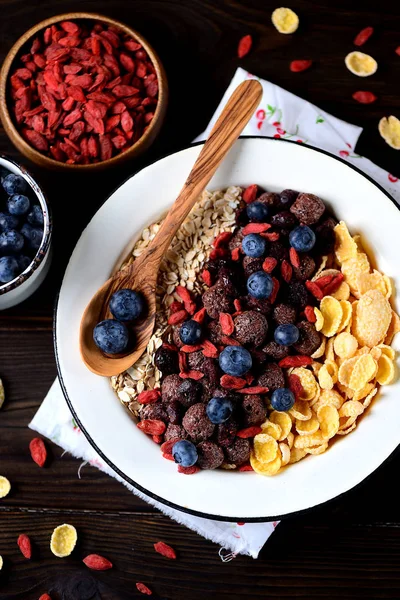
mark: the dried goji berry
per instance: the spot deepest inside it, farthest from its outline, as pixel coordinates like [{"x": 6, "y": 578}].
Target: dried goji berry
[
  {"x": 167, "y": 446},
  {"x": 246, "y": 467},
  {"x": 269, "y": 264},
  {"x": 206, "y": 277},
  {"x": 152, "y": 426},
  {"x": 38, "y": 451},
  {"x": 256, "y": 389},
  {"x": 97, "y": 562},
  {"x": 296, "y": 66},
  {"x": 249, "y": 377},
  {"x": 294, "y": 258},
  {"x": 148, "y": 396},
  {"x": 250, "y": 193},
  {"x": 295, "y": 385},
  {"x": 45, "y": 597},
  {"x": 398, "y": 50},
  {"x": 188, "y": 348},
  {"x": 323, "y": 281},
  {"x": 271, "y": 236},
  {"x": 24, "y": 544},
  {"x": 165, "y": 549},
  {"x": 192, "y": 374},
  {"x": 158, "y": 439},
  {"x": 230, "y": 382},
  {"x": 295, "y": 361},
  {"x": 237, "y": 304},
  {"x": 222, "y": 239},
  {"x": 171, "y": 347},
  {"x": 209, "y": 350},
  {"x": 244, "y": 46},
  {"x": 235, "y": 254},
  {"x": 255, "y": 228},
  {"x": 218, "y": 253},
  {"x": 275, "y": 290},
  {"x": 364, "y": 97},
  {"x": 286, "y": 271},
  {"x": 167, "y": 456},
  {"x": 199, "y": 316},
  {"x": 249, "y": 432},
  {"x": 178, "y": 317},
  {"x": 143, "y": 589},
  {"x": 363, "y": 36},
  {"x": 36, "y": 139},
  {"x": 182, "y": 362},
  {"x": 227, "y": 324},
  {"x": 228, "y": 341},
  {"x": 188, "y": 471},
  {"x": 334, "y": 285},
  {"x": 314, "y": 289},
  {"x": 310, "y": 314}
]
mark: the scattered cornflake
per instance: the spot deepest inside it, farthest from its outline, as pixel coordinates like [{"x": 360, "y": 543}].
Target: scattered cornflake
[
  {"x": 389, "y": 128},
  {"x": 2, "y": 395},
  {"x": 285, "y": 20},
  {"x": 63, "y": 540},
  {"x": 5, "y": 486},
  {"x": 360, "y": 64}
]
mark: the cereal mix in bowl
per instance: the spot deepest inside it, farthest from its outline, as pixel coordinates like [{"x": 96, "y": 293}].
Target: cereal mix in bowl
[{"x": 273, "y": 334}]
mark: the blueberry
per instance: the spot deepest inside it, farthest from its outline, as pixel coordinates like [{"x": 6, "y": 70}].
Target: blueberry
[
  {"x": 190, "y": 332},
  {"x": 254, "y": 245},
  {"x": 282, "y": 399},
  {"x": 219, "y": 410},
  {"x": 11, "y": 242},
  {"x": 24, "y": 262},
  {"x": 235, "y": 360},
  {"x": 18, "y": 204},
  {"x": 302, "y": 238},
  {"x": 286, "y": 334},
  {"x": 258, "y": 212},
  {"x": 260, "y": 285},
  {"x": 126, "y": 305},
  {"x": 111, "y": 336},
  {"x": 33, "y": 235},
  {"x": 9, "y": 268},
  {"x": 35, "y": 216},
  {"x": 8, "y": 222},
  {"x": 14, "y": 184},
  {"x": 184, "y": 453}
]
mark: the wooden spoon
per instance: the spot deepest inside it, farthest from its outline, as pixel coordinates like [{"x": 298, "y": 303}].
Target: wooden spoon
[{"x": 141, "y": 275}]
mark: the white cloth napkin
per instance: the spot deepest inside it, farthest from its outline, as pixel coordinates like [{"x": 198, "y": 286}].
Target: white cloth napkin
[{"x": 279, "y": 114}]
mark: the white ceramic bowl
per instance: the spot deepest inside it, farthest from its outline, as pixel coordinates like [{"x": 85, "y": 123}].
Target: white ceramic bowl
[
  {"x": 26, "y": 283},
  {"x": 275, "y": 165}
]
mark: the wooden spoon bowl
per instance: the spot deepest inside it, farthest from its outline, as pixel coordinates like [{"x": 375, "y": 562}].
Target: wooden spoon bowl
[{"x": 141, "y": 275}]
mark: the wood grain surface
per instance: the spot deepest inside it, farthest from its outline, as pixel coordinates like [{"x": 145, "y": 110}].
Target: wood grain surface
[{"x": 349, "y": 548}]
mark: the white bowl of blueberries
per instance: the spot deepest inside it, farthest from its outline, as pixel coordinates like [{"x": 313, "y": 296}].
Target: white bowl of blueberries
[{"x": 25, "y": 234}]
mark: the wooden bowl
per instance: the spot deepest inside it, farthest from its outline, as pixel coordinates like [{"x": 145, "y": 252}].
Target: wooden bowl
[{"x": 44, "y": 161}]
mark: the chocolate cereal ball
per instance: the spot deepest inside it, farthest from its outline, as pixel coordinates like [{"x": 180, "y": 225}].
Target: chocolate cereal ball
[
  {"x": 174, "y": 412},
  {"x": 236, "y": 240},
  {"x": 175, "y": 432},
  {"x": 254, "y": 410},
  {"x": 189, "y": 392},
  {"x": 297, "y": 294},
  {"x": 275, "y": 351},
  {"x": 271, "y": 199},
  {"x": 153, "y": 411},
  {"x": 309, "y": 339},
  {"x": 278, "y": 250},
  {"x": 287, "y": 198},
  {"x": 325, "y": 236},
  {"x": 308, "y": 208},
  {"x": 216, "y": 300},
  {"x": 284, "y": 220},
  {"x": 170, "y": 388},
  {"x": 306, "y": 269},
  {"x": 211, "y": 456},
  {"x": 196, "y": 360},
  {"x": 239, "y": 452},
  {"x": 197, "y": 424},
  {"x": 215, "y": 332},
  {"x": 251, "y": 265},
  {"x": 284, "y": 313},
  {"x": 261, "y": 305},
  {"x": 226, "y": 432},
  {"x": 166, "y": 360},
  {"x": 272, "y": 377},
  {"x": 251, "y": 327},
  {"x": 176, "y": 338}
]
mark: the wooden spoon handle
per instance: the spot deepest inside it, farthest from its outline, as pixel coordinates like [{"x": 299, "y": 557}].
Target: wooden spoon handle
[{"x": 229, "y": 125}]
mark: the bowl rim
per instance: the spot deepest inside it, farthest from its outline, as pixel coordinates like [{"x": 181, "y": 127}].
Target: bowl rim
[
  {"x": 154, "y": 497},
  {"x": 24, "y": 39},
  {"x": 48, "y": 230}
]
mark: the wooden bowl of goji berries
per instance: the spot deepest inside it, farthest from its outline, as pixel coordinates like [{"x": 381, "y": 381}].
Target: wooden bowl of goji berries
[{"x": 82, "y": 91}]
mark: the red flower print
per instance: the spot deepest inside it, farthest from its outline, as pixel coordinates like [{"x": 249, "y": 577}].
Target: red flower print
[
  {"x": 276, "y": 123},
  {"x": 344, "y": 153},
  {"x": 260, "y": 114},
  {"x": 347, "y": 144},
  {"x": 240, "y": 524},
  {"x": 277, "y": 136},
  {"x": 392, "y": 178},
  {"x": 299, "y": 141},
  {"x": 281, "y": 131},
  {"x": 259, "y": 124}
]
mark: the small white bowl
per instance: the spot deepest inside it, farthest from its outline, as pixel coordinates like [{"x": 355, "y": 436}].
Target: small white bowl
[
  {"x": 226, "y": 495},
  {"x": 19, "y": 289}
]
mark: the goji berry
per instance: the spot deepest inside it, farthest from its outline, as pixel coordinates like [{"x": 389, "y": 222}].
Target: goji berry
[
  {"x": 286, "y": 271},
  {"x": 175, "y": 307},
  {"x": 182, "y": 361},
  {"x": 310, "y": 314},
  {"x": 97, "y": 562},
  {"x": 250, "y": 193},
  {"x": 157, "y": 439},
  {"x": 192, "y": 374},
  {"x": 167, "y": 456},
  {"x": 334, "y": 285},
  {"x": 364, "y": 97},
  {"x": 226, "y": 322},
  {"x": 244, "y": 46},
  {"x": 235, "y": 254},
  {"x": 163, "y": 548},
  {"x": 222, "y": 239},
  {"x": 295, "y": 385},
  {"x": 255, "y": 228},
  {"x": 249, "y": 432},
  {"x": 296, "y": 66},
  {"x": 194, "y": 348},
  {"x": 398, "y": 50},
  {"x": 237, "y": 304},
  {"x": 171, "y": 347},
  {"x": 272, "y": 236},
  {"x": 24, "y": 544},
  {"x": 295, "y": 361},
  {"x": 143, "y": 589},
  {"x": 188, "y": 470},
  {"x": 230, "y": 382},
  {"x": 178, "y": 317},
  {"x": 206, "y": 276},
  {"x": 228, "y": 341},
  {"x": 294, "y": 258},
  {"x": 314, "y": 289},
  {"x": 38, "y": 451},
  {"x": 218, "y": 253},
  {"x": 249, "y": 377},
  {"x": 167, "y": 446},
  {"x": 45, "y": 597},
  {"x": 200, "y": 315},
  {"x": 209, "y": 350},
  {"x": 363, "y": 36},
  {"x": 246, "y": 467},
  {"x": 269, "y": 264},
  {"x": 148, "y": 396},
  {"x": 256, "y": 389},
  {"x": 152, "y": 426},
  {"x": 323, "y": 281},
  {"x": 275, "y": 290}
]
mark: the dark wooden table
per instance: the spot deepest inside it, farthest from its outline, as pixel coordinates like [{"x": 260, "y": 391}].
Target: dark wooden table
[{"x": 349, "y": 547}]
